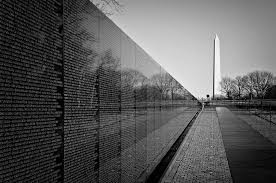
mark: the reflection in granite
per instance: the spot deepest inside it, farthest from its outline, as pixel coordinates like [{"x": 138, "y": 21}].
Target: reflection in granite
[{"x": 82, "y": 102}]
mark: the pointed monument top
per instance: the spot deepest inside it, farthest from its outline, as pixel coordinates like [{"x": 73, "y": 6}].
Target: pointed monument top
[{"x": 216, "y": 37}]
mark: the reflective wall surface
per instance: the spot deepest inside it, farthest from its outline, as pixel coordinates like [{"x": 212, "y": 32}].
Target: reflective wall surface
[{"x": 80, "y": 100}]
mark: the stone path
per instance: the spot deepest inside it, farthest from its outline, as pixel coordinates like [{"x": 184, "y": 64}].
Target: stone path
[
  {"x": 251, "y": 156},
  {"x": 201, "y": 157}
]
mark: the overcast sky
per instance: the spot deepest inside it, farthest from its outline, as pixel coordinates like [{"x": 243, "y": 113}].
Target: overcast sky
[{"x": 179, "y": 35}]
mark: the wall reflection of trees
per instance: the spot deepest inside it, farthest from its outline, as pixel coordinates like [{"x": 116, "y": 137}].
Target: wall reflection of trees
[
  {"x": 161, "y": 86},
  {"x": 105, "y": 101}
]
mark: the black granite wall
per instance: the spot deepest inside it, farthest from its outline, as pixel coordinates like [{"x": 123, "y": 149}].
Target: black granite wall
[
  {"x": 80, "y": 101},
  {"x": 31, "y": 108}
]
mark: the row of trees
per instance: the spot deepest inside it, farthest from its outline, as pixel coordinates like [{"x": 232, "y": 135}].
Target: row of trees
[
  {"x": 101, "y": 69},
  {"x": 161, "y": 85},
  {"x": 255, "y": 84}
]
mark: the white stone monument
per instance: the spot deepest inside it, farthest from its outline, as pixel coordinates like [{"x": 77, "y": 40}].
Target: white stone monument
[{"x": 216, "y": 68}]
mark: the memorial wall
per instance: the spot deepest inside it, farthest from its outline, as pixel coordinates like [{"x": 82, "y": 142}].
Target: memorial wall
[
  {"x": 80, "y": 100},
  {"x": 31, "y": 86}
]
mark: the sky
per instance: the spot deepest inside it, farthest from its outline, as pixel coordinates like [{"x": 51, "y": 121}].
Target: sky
[{"x": 179, "y": 35}]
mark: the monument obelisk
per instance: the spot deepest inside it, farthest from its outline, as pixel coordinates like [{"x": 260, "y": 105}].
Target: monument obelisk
[{"x": 216, "y": 68}]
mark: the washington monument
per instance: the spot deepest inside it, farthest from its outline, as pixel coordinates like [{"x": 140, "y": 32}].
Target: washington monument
[{"x": 216, "y": 68}]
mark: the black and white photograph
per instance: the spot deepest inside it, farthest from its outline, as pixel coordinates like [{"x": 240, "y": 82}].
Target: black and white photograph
[{"x": 138, "y": 91}]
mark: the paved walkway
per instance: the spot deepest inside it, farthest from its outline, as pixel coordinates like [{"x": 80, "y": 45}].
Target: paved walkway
[
  {"x": 264, "y": 127},
  {"x": 201, "y": 157},
  {"x": 251, "y": 156},
  {"x": 223, "y": 147}
]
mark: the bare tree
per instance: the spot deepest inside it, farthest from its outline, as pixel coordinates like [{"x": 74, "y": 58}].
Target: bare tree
[
  {"x": 161, "y": 82},
  {"x": 238, "y": 87},
  {"x": 260, "y": 81},
  {"x": 174, "y": 86},
  {"x": 108, "y": 7},
  {"x": 248, "y": 86},
  {"x": 133, "y": 78},
  {"x": 227, "y": 85}
]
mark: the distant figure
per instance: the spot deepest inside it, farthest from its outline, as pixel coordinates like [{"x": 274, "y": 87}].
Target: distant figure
[{"x": 207, "y": 103}]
